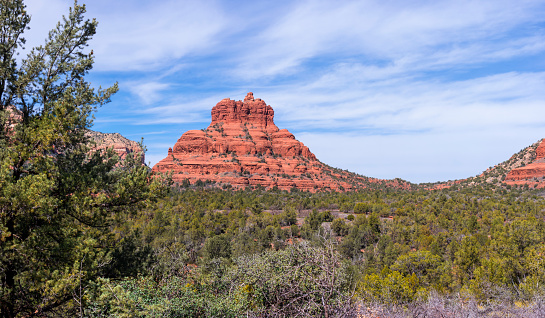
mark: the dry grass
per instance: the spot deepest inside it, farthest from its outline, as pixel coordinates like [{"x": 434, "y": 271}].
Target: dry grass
[{"x": 438, "y": 307}]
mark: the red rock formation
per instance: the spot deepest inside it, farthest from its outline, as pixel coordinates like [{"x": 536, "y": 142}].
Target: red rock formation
[
  {"x": 530, "y": 173},
  {"x": 534, "y": 171},
  {"x": 98, "y": 141},
  {"x": 540, "y": 151},
  {"x": 14, "y": 116},
  {"x": 243, "y": 147},
  {"x": 121, "y": 145},
  {"x": 527, "y": 167},
  {"x": 252, "y": 111}
]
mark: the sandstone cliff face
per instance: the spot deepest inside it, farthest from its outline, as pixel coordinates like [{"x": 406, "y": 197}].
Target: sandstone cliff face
[
  {"x": 121, "y": 145},
  {"x": 533, "y": 172},
  {"x": 251, "y": 111},
  {"x": 243, "y": 147}
]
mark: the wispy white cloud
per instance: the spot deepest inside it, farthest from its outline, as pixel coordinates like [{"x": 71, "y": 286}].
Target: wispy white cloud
[
  {"x": 138, "y": 35},
  {"x": 178, "y": 113},
  {"x": 153, "y": 158},
  {"x": 148, "y": 92},
  {"x": 424, "y": 90},
  {"x": 148, "y": 133},
  {"x": 44, "y": 17},
  {"x": 413, "y": 105},
  {"x": 396, "y": 32},
  {"x": 149, "y": 35}
]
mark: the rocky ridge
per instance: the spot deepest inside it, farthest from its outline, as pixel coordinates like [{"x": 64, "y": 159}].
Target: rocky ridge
[
  {"x": 120, "y": 145},
  {"x": 97, "y": 140},
  {"x": 527, "y": 167},
  {"x": 243, "y": 147},
  {"x": 531, "y": 170}
]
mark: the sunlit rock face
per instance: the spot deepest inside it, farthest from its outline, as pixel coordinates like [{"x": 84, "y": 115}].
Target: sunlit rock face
[
  {"x": 532, "y": 173},
  {"x": 121, "y": 145},
  {"x": 243, "y": 147}
]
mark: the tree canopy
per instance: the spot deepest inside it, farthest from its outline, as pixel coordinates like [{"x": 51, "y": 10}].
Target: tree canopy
[{"x": 58, "y": 201}]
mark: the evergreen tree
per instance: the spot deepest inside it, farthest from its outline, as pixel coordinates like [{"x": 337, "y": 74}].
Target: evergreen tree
[{"x": 58, "y": 202}]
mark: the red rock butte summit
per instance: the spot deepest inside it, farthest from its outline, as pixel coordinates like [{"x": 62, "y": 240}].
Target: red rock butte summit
[
  {"x": 243, "y": 147},
  {"x": 252, "y": 111}
]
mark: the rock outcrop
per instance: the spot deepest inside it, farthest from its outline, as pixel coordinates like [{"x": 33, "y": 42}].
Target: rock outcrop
[
  {"x": 121, "y": 145},
  {"x": 243, "y": 147},
  {"x": 527, "y": 167},
  {"x": 14, "y": 117},
  {"x": 532, "y": 173},
  {"x": 97, "y": 140}
]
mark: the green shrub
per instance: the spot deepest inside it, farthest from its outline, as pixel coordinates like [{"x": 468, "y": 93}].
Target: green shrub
[
  {"x": 363, "y": 207},
  {"x": 339, "y": 227}
]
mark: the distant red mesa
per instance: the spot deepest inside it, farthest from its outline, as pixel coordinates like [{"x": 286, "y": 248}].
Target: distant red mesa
[{"x": 243, "y": 147}]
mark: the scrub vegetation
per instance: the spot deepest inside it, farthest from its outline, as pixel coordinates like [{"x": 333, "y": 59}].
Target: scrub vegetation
[{"x": 88, "y": 234}]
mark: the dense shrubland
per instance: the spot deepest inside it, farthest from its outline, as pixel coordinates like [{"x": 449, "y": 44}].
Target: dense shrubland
[{"x": 209, "y": 252}]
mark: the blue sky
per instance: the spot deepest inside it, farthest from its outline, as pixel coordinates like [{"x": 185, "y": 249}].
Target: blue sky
[{"x": 421, "y": 90}]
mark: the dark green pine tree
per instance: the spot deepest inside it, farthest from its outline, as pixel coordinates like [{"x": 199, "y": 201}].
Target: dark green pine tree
[{"x": 58, "y": 202}]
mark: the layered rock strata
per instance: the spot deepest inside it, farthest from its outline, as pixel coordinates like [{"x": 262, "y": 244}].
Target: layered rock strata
[
  {"x": 243, "y": 147},
  {"x": 532, "y": 173},
  {"x": 527, "y": 167}
]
